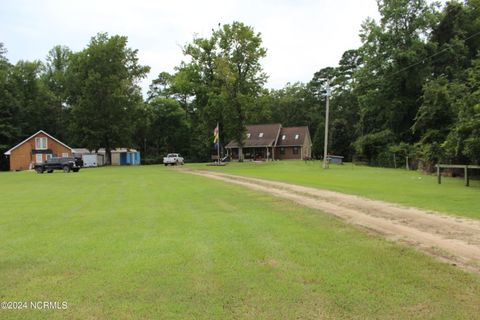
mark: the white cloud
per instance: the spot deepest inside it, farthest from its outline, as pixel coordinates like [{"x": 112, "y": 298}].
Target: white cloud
[{"x": 301, "y": 36}]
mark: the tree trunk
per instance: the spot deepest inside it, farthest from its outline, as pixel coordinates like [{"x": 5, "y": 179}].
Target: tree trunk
[{"x": 108, "y": 156}]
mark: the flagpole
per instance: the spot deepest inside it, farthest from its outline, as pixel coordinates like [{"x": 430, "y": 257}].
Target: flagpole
[
  {"x": 218, "y": 148},
  {"x": 325, "y": 144}
]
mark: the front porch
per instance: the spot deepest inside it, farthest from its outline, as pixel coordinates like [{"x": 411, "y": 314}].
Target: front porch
[{"x": 251, "y": 153}]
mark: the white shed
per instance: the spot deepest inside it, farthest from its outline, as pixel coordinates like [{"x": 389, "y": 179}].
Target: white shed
[
  {"x": 93, "y": 160},
  {"x": 90, "y": 158}
]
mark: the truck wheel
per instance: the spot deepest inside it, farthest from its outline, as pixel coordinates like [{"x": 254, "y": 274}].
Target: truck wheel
[
  {"x": 76, "y": 170},
  {"x": 49, "y": 171},
  {"x": 66, "y": 169},
  {"x": 166, "y": 164},
  {"x": 39, "y": 170}
]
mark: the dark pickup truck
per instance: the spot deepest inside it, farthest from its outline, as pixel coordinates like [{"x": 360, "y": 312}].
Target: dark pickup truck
[{"x": 64, "y": 163}]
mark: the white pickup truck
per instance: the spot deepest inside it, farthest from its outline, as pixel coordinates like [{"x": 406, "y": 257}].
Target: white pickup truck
[{"x": 173, "y": 159}]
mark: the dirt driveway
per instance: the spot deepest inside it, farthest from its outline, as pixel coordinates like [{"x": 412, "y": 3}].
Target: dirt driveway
[{"x": 452, "y": 239}]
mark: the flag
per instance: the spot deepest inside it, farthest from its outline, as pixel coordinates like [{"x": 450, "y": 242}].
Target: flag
[{"x": 215, "y": 134}]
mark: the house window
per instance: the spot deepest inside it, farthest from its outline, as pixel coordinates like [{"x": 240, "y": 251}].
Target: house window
[
  {"x": 41, "y": 143},
  {"x": 38, "y": 158},
  {"x": 260, "y": 135},
  {"x": 64, "y": 154},
  {"x": 297, "y": 136},
  {"x": 282, "y": 150},
  {"x": 248, "y": 135},
  {"x": 284, "y": 137},
  {"x": 48, "y": 156},
  {"x": 295, "y": 150}
]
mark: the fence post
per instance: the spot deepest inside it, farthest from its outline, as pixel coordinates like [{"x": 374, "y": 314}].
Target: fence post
[
  {"x": 439, "y": 176},
  {"x": 467, "y": 180}
]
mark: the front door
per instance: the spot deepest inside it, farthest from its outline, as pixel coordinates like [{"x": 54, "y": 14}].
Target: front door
[{"x": 38, "y": 158}]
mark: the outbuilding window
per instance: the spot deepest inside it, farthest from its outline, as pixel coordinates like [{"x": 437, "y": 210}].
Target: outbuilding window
[
  {"x": 260, "y": 135},
  {"x": 295, "y": 150},
  {"x": 282, "y": 150},
  {"x": 41, "y": 143},
  {"x": 248, "y": 135},
  {"x": 297, "y": 136},
  {"x": 284, "y": 137}
]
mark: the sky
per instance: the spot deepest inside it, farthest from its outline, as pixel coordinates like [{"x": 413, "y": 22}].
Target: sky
[{"x": 301, "y": 37}]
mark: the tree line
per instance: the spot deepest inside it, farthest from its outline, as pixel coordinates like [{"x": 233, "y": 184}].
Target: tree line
[{"x": 410, "y": 91}]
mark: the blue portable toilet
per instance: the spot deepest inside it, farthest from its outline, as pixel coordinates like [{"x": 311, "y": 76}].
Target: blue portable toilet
[
  {"x": 123, "y": 158},
  {"x": 136, "y": 158},
  {"x": 131, "y": 158}
]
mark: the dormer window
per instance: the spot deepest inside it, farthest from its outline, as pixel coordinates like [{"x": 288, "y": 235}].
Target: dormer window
[
  {"x": 260, "y": 135},
  {"x": 41, "y": 143},
  {"x": 248, "y": 135},
  {"x": 297, "y": 136},
  {"x": 284, "y": 137}
]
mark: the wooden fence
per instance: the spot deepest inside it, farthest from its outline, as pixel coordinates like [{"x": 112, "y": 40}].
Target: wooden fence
[{"x": 455, "y": 166}]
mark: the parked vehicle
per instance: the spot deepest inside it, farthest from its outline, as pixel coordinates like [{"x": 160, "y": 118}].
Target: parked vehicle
[
  {"x": 66, "y": 164},
  {"x": 173, "y": 159}
]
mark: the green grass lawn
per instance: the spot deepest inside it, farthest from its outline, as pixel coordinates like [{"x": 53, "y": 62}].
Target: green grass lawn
[
  {"x": 154, "y": 243},
  {"x": 394, "y": 185}
]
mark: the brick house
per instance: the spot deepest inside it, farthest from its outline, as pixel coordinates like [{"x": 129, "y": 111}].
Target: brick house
[
  {"x": 272, "y": 142},
  {"x": 294, "y": 143},
  {"x": 35, "y": 149}
]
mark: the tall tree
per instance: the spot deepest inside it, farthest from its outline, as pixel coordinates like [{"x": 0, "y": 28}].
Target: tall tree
[
  {"x": 222, "y": 82},
  {"x": 463, "y": 140},
  {"x": 9, "y": 108},
  {"x": 54, "y": 77},
  {"x": 294, "y": 105},
  {"x": 389, "y": 83},
  {"x": 168, "y": 130},
  {"x": 35, "y": 100},
  {"x": 104, "y": 92},
  {"x": 343, "y": 105}
]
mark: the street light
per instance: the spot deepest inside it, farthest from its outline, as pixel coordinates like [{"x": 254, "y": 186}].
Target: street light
[{"x": 325, "y": 145}]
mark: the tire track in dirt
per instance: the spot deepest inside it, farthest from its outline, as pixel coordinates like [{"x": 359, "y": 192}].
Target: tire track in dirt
[{"x": 454, "y": 240}]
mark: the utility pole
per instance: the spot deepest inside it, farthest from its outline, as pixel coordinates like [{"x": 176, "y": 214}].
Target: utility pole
[{"x": 325, "y": 145}]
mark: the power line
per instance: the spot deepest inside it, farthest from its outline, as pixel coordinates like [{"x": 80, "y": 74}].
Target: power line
[{"x": 431, "y": 56}]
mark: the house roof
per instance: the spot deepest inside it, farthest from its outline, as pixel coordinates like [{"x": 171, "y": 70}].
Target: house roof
[
  {"x": 117, "y": 150},
  {"x": 273, "y": 136},
  {"x": 294, "y": 136},
  {"x": 101, "y": 150},
  {"x": 33, "y": 135},
  {"x": 81, "y": 151},
  {"x": 259, "y": 135}
]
